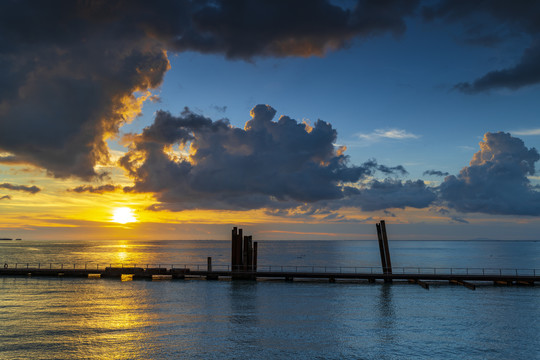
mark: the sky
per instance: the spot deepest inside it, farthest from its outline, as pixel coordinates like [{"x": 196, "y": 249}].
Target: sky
[{"x": 304, "y": 119}]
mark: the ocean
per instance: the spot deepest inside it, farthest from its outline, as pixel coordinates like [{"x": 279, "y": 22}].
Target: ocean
[{"x": 70, "y": 318}]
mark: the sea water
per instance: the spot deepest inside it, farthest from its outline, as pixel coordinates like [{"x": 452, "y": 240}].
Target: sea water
[{"x": 66, "y": 318}]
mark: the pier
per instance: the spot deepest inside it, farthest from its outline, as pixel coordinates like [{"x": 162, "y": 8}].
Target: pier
[
  {"x": 244, "y": 266},
  {"x": 466, "y": 277}
]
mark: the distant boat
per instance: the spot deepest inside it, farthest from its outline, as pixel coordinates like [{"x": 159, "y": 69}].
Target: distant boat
[{"x": 5, "y": 239}]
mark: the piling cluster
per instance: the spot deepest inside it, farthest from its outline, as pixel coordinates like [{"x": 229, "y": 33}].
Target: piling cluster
[{"x": 244, "y": 252}]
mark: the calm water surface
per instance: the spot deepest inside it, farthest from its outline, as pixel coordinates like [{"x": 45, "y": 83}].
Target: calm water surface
[{"x": 62, "y": 318}]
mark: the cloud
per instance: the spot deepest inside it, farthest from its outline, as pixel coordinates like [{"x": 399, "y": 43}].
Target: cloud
[
  {"x": 95, "y": 189},
  {"x": 70, "y": 69},
  {"x": 221, "y": 109},
  {"x": 487, "y": 23},
  {"x": 30, "y": 189},
  {"x": 244, "y": 29},
  {"x": 268, "y": 164},
  {"x": 436, "y": 173},
  {"x": 458, "y": 219},
  {"x": 392, "y": 194},
  {"x": 526, "y": 72},
  {"x": 528, "y": 132},
  {"x": 495, "y": 182},
  {"x": 69, "y": 72},
  {"x": 442, "y": 211},
  {"x": 5, "y": 197},
  {"x": 8, "y": 159},
  {"x": 382, "y": 134}
]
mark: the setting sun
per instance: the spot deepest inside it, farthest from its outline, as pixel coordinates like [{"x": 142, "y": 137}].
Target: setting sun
[{"x": 123, "y": 215}]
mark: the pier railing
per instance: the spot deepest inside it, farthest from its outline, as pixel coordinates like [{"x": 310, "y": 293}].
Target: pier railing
[{"x": 286, "y": 268}]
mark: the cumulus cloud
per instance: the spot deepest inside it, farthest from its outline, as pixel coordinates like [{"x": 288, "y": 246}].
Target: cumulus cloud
[
  {"x": 495, "y": 182},
  {"x": 95, "y": 189},
  {"x": 392, "y": 193},
  {"x": 30, "y": 189},
  {"x": 70, "y": 69},
  {"x": 268, "y": 164},
  {"x": 436, "y": 173},
  {"x": 488, "y": 23}
]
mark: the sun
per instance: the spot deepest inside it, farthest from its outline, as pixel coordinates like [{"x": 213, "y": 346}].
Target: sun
[{"x": 123, "y": 215}]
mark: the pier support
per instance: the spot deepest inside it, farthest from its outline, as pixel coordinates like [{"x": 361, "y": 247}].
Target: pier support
[
  {"x": 467, "y": 284},
  {"x": 423, "y": 284},
  {"x": 384, "y": 249},
  {"x": 243, "y": 255},
  {"x": 209, "y": 275}
]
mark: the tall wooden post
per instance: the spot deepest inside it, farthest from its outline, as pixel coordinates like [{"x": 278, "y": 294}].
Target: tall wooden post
[
  {"x": 255, "y": 246},
  {"x": 239, "y": 250},
  {"x": 234, "y": 259},
  {"x": 248, "y": 246},
  {"x": 386, "y": 248},
  {"x": 381, "y": 248}
]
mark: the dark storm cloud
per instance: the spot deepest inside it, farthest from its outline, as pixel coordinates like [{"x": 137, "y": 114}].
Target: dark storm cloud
[
  {"x": 95, "y": 189},
  {"x": 489, "y": 23},
  {"x": 435, "y": 173},
  {"x": 391, "y": 194},
  {"x": 69, "y": 68},
  {"x": 30, "y": 189},
  {"x": 496, "y": 180},
  {"x": 526, "y": 72},
  {"x": 271, "y": 164},
  {"x": 244, "y": 29}
]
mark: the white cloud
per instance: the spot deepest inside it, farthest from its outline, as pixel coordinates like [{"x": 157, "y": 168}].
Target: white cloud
[
  {"x": 381, "y": 134},
  {"x": 527, "y": 132}
]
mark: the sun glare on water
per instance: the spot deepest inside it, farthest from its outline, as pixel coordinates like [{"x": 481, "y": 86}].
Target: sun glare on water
[{"x": 123, "y": 215}]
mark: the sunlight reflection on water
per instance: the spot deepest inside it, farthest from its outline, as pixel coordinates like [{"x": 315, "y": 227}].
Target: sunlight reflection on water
[{"x": 76, "y": 318}]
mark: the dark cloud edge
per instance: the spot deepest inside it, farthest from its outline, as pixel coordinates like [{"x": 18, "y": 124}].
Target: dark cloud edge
[{"x": 25, "y": 188}]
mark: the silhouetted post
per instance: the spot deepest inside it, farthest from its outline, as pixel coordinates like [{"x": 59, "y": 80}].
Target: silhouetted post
[
  {"x": 386, "y": 248},
  {"x": 245, "y": 258},
  {"x": 381, "y": 248},
  {"x": 234, "y": 245},
  {"x": 249, "y": 254},
  {"x": 255, "y": 245},
  {"x": 239, "y": 250},
  {"x": 209, "y": 266},
  {"x": 236, "y": 250}
]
